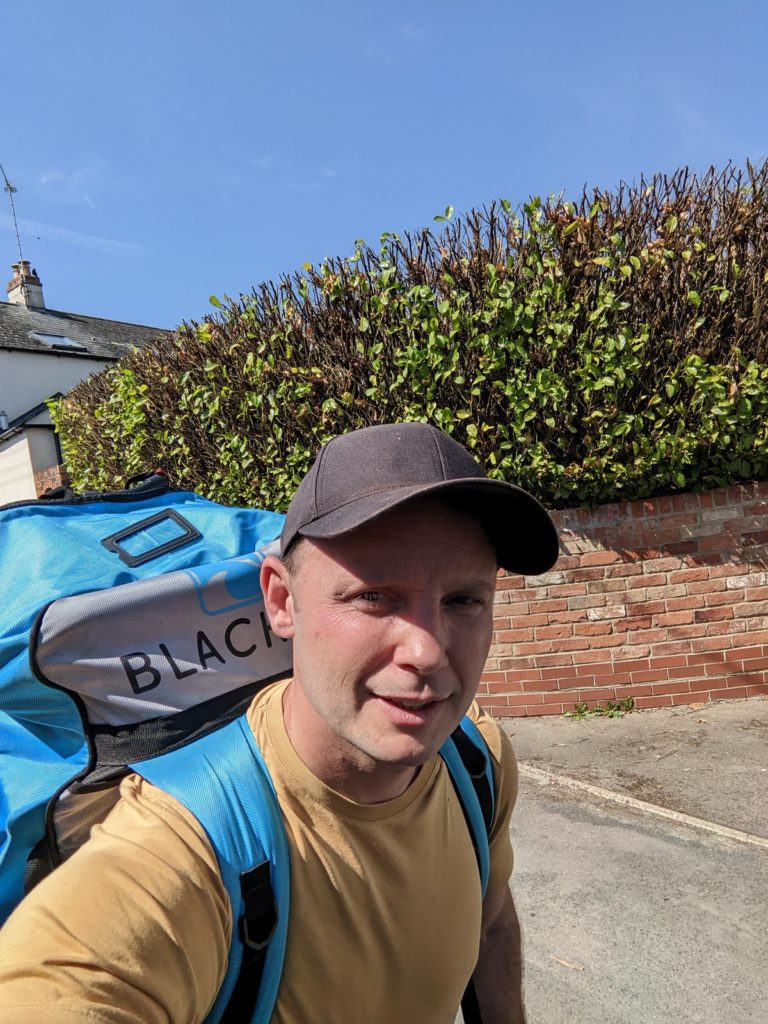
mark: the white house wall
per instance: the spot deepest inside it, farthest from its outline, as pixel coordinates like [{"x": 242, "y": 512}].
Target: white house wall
[
  {"x": 17, "y": 480},
  {"x": 42, "y": 449},
  {"x": 29, "y": 378}
]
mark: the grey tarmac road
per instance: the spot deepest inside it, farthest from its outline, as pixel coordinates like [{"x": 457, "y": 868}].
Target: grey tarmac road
[{"x": 629, "y": 919}]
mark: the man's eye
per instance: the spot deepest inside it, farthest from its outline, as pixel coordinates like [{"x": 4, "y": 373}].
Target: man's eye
[
  {"x": 371, "y": 596},
  {"x": 466, "y": 601}
]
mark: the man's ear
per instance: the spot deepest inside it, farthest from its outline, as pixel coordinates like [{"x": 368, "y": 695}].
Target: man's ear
[{"x": 278, "y": 596}]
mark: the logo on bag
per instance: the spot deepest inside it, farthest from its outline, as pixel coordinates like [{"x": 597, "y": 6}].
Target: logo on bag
[{"x": 226, "y": 586}]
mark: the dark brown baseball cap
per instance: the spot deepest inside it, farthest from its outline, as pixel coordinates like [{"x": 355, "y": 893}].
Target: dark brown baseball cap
[{"x": 365, "y": 473}]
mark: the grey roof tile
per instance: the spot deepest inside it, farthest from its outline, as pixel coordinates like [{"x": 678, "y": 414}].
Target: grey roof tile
[{"x": 102, "y": 339}]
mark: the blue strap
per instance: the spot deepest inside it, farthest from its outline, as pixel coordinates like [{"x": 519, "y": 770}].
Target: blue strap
[
  {"x": 223, "y": 781},
  {"x": 466, "y": 791}
]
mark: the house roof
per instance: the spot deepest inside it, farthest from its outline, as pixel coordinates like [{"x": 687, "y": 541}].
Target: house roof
[{"x": 93, "y": 337}]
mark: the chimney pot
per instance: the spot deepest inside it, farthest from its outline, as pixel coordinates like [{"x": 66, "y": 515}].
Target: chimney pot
[{"x": 25, "y": 287}]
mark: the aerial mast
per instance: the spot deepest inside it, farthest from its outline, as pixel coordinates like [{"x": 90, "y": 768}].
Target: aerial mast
[{"x": 9, "y": 188}]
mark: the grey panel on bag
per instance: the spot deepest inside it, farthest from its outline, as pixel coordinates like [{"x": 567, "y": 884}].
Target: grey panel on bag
[{"x": 156, "y": 647}]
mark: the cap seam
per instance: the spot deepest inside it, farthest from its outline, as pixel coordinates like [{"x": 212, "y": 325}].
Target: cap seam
[{"x": 440, "y": 456}]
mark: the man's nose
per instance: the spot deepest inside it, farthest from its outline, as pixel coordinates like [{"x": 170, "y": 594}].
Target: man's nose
[{"x": 422, "y": 643}]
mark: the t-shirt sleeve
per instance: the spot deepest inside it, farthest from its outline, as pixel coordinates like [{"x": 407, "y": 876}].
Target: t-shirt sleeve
[
  {"x": 504, "y": 766},
  {"x": 133, "y": 929}
]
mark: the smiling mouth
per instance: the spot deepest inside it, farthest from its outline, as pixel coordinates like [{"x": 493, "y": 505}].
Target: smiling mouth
[
  {"x": 408, "y": 712},
  {"x": 410, "y": 705}
]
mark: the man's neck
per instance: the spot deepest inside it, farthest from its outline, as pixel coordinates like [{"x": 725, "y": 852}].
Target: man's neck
[{"x": 338, "y": 764}]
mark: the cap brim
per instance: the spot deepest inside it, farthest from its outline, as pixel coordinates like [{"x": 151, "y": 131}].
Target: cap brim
[{"x": 518, "y": 526}]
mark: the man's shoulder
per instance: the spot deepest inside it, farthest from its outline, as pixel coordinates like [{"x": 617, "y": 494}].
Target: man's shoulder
[{"x": 498, "y": 742}]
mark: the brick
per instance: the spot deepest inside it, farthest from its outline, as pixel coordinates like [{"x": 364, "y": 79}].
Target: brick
[
  {"x": 551, "y": 606},
  {"x": 610, "y": 612},
  {"x": 682, "y": 604},
  {"x": 655, "y": 701},
  {"x": 582, "y": 575},
  {"x": 672, "y": 647},
  {"x": 688, "y": 698},
  {"x": 548, "y": 709},
  {"x": 512, "y": 636},
  {"x": 568, "y": 590},
  {"x": 651, "y": 579},
  {"x": 622, "y": 692},
  {"x": 625, "y": 569},
  {"x": 713, "y": 614},
  {"x": 591, "y": 656},
  {"x": 757, "y": 690},
  {"x": 629, "y": 651},
  {"x": 647, "y": 608},
  {"x": 755, "y": 665},
  {"x": 752, "y": 539},
  {"x": 608, "y": 586},
  {"x": 597, "y": 696},
  {"x": 731, "y": 693},
  {"x": 675, "y": 619},
  {"x": 592, "y": 628},
  {"x": 722, "y": 600},
  {"x": 521, "y": 676},
  {"x": 503, "y": 687},
  {"x": 524, "y": 700},
  {"x": 600, "y": 558},
  {"x": 678, "y": 686},
  {"x": 558, "y": 618},
  {"x": 727, "y": 626},
  {"x": 689, "y": 576},
  {"x": 494, "y": 677},
  {"x": 542, "y": 685},
  {"x": 649, "y": 675},
  {"x": 575, "y": 643},
  {"x": 587, "y": 601},
  {"x": 630, "y": 625},
  {"x": 713, "y": 643},
  {"x": 553, "y": 698},
  {"x": 713, "y": 658}
]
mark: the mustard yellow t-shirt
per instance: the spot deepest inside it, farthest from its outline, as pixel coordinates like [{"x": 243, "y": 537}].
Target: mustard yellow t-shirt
[{"x": 385, "y": 904}]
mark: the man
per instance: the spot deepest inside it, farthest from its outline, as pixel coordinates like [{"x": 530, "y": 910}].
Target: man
[{"x": 386, "y": 586}]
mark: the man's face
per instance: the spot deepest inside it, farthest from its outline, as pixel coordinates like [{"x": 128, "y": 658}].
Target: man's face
[{"x": 391, "y": 626}]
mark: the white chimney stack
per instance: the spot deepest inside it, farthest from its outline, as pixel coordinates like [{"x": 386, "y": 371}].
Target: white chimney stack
[{"x": 25, "y": 288}]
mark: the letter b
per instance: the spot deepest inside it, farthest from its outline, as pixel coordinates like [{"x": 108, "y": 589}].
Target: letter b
[{"x": 144, "y": 668}]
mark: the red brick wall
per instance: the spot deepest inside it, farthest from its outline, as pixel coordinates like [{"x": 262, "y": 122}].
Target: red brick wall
[
  {"x": 51, "y": 478},
  {"x": 664, "y": 600}
]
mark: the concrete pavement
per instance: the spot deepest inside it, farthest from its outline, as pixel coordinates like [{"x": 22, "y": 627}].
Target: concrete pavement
[{"x": 630, "y": 917}]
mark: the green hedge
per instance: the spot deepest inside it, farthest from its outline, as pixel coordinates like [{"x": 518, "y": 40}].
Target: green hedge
[{"x": 612, "y": 347}]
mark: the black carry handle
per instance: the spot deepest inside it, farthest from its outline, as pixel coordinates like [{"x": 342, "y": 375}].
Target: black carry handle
[{"x": 112, "y": 543}]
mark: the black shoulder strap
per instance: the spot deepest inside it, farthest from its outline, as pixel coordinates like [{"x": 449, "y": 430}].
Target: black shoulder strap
[{"x": 475, "y": 761}]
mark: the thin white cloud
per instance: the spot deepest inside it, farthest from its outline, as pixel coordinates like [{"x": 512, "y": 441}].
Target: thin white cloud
[
  {"x": 78, "y": 186},
  {"x": 262, "y": 162},
  {"x": 54, "y": 233}
]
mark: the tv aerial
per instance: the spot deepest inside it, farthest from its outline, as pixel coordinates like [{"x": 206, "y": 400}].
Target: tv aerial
[{"x": 10, "y": 189}]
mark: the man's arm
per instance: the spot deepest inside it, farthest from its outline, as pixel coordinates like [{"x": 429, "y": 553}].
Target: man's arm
[
  {"x": 498, "y": 975},
  {"x": 133, "y": 929}
]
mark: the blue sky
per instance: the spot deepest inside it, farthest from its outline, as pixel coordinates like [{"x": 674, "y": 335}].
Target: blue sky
[{"x": 165, "y": 150}]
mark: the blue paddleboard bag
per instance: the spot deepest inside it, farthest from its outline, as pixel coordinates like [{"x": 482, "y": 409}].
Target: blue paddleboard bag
[{"x": 132, "y": 624}]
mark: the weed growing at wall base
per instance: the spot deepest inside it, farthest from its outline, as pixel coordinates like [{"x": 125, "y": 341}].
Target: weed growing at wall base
[{"x": 611, "y": 709}]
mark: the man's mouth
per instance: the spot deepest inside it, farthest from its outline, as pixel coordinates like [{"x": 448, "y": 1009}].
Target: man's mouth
[
  {"x": 410, "y": 705},
  {"x": 409, "y": 711}
]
